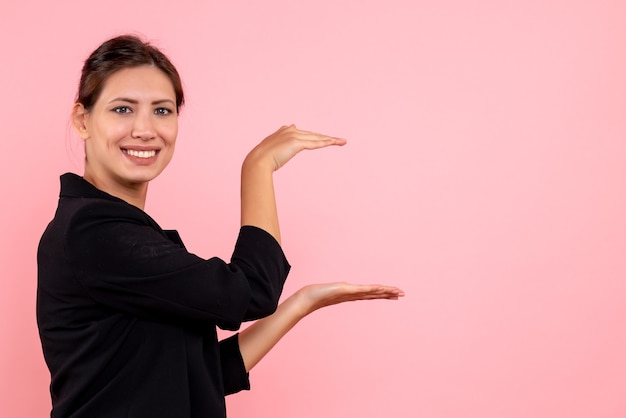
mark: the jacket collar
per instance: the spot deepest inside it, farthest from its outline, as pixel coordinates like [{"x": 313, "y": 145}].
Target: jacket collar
[{"x": 73, "y": 185}]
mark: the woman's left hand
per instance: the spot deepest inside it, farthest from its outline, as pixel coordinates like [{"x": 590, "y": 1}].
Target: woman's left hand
[
  {"x": 259, "y": 338},
  {"x": 317, "y": 296}
]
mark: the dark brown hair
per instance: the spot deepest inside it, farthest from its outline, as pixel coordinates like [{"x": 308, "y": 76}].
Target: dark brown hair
[{"x": 121, "y": 52}]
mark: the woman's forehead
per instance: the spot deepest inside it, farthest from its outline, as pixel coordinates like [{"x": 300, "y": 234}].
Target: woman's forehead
[{"x": 139, "y": 83}]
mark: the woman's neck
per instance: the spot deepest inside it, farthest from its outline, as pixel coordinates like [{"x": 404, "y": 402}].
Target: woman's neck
[{"x": 132, "y": 193}]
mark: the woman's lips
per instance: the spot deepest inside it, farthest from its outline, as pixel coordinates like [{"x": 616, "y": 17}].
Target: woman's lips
[{"x": 140, "y": 154}]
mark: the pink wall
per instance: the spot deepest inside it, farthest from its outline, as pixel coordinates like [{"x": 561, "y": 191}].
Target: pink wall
[{"x": 485, "y": 175}]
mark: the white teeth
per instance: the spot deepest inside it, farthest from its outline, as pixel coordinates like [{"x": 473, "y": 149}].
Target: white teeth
[{"x": 141, "y": 154}]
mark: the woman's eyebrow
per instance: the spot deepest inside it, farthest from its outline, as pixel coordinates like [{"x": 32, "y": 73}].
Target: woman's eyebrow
[
  {"x": 134, "y": 101},
  {"x": 156, "y": 102}
]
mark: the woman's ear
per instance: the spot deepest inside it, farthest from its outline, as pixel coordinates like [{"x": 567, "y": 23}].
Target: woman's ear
[{"x": 79, "y": 120}]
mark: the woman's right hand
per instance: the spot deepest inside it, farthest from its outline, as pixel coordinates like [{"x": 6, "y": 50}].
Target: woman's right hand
[
  {"x": 281, "y": 146},
  {"x": 258, "y": 204}
]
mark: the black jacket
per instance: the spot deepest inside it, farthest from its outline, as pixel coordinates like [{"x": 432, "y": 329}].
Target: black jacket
[{"x": 127, "y": 316}]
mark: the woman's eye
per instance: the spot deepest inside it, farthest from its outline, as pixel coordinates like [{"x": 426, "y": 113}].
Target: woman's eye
[
  {"x": 122, "y": 110},
  {"x": 162, "y": 111}
]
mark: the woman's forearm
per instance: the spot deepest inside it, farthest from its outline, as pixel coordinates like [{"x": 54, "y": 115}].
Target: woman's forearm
[
  {"x": 258, "y": 202},
  {"x": 260, "y": 337}
]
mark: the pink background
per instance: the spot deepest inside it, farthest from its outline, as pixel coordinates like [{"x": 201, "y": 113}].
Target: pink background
[{"x": 485, "y": 175}]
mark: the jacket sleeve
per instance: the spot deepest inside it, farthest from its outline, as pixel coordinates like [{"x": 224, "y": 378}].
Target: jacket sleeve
[
  {"x": 234, "y": 375},
  {"x": 128, "y": 264}
]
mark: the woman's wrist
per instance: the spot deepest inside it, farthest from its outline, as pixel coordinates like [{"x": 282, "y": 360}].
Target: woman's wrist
[
  {"x": 305, "y": 301},
  {"x": 257, "y": 161}
]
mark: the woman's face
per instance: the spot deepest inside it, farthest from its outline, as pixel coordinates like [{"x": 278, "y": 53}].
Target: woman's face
[{"x": 130, "y": 132}]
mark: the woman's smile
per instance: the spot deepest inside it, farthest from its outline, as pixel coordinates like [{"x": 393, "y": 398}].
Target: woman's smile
[{"x": 141, "y": 155}]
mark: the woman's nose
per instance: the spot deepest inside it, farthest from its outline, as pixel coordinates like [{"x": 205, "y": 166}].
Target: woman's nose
[{"x": 143, "y": 127}]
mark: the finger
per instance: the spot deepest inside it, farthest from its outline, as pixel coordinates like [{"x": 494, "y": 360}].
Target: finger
[
  {"x": 356, "y": 298},
  {"x": 294, "y": 130},
  {"x": 374, "y": 292},
  {"x": 376, "y": 288},
  {"x": 301, "y": 134},
  {"x": 321, "y": 143}
]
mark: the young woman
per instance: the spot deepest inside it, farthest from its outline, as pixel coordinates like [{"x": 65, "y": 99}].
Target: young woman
[{"x": 127, "y": 316}]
